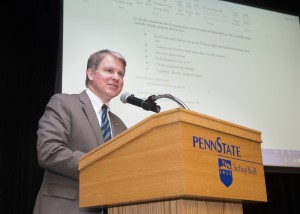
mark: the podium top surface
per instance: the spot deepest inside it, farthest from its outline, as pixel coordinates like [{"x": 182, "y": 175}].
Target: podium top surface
[{"x": 168, "y": 117}]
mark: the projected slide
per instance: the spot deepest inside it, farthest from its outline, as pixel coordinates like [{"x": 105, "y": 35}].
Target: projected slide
[{"x": 233, "y": 62}]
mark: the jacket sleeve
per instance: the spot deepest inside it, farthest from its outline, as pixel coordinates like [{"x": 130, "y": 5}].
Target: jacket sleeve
[{"x": 53, "y": 144}]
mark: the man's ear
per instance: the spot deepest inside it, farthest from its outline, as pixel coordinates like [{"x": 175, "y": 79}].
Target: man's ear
[{"x": 90, "y": 74}]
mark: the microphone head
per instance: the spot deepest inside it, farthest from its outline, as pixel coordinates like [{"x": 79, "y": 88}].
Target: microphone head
[{"x": 124, "y": 97}]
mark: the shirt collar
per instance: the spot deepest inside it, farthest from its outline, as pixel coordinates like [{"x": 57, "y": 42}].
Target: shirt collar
[{"x": 96, "y": 101}]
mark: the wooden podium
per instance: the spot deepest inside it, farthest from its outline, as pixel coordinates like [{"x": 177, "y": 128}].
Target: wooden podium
[{"x": 176, "y": 162}]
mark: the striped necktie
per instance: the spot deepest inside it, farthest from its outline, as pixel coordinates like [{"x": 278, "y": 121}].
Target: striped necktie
[{"x": 105, "y": 127}]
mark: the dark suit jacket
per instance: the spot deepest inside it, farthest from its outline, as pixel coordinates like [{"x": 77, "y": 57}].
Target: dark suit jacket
[{"x": 68, "y": 129}]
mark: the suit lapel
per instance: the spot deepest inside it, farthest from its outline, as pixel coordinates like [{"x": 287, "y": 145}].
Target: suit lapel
[
  {"x": 114, "y": 125},
  {"x": 91, "y": 116}
]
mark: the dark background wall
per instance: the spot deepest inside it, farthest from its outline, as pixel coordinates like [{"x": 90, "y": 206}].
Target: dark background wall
[{"x": 31, "y": 55}]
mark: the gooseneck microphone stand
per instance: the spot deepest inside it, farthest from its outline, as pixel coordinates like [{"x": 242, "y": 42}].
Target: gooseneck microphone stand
[{"x": 153, "y": 98}]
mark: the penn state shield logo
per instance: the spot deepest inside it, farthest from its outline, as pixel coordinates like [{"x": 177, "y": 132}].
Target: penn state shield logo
[{"x": 225, "y": 172}]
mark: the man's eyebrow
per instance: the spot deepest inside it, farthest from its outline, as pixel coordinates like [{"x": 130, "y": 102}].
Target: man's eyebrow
[
  {"x": 112, "y": 68},
  {"x": 107, "y": 67}
]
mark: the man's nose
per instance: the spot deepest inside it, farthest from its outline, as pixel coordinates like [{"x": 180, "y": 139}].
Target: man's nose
[{"x": 115, "y": 76}]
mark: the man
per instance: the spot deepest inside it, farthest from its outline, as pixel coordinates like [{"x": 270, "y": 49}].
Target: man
[{"x": 71, "y": 127}]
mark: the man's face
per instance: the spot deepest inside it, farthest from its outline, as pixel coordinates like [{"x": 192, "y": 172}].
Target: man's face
[{"x": 107, "y": 81}]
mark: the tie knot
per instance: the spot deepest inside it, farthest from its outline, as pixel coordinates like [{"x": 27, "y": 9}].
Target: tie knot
[{"x": 104, "y": 108}]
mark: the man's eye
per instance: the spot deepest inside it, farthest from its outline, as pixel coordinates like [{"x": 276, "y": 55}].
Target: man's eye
[{"x": 121, "y": 74}]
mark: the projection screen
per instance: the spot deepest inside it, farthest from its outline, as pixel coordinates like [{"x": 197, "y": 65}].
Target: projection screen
[{"x": 230, "y": 61}]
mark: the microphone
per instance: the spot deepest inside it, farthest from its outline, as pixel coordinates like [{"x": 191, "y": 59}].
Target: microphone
[{"x": 147, "y": 105}]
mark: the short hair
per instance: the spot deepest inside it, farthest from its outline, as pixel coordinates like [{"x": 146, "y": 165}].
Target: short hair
[{"x": 96, "y": 58}]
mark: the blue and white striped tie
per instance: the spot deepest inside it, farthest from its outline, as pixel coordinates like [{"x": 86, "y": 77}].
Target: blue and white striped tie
[{"x": 105, "y": 127}]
